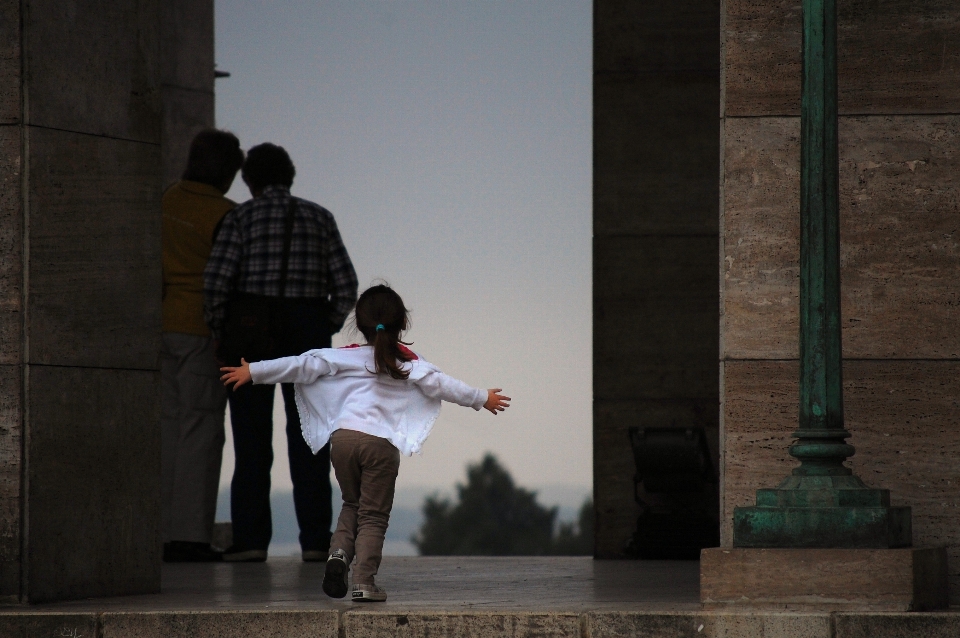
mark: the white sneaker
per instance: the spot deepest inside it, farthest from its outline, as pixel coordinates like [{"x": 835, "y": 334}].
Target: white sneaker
[{"x": 368, "y": 594}]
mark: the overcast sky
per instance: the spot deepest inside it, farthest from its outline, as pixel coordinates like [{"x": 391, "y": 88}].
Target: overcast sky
[{"x": 451, "y": 140}]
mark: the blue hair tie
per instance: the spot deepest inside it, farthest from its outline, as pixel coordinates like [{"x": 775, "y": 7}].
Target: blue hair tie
[{"x": 380, "y": 327}]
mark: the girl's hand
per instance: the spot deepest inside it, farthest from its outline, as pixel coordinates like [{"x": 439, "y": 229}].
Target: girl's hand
[
  {"x": 496, "y": 402},
  {"x": 236, "y": 376}
]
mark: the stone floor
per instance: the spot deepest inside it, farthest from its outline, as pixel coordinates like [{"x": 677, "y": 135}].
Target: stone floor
[
  {"x": 435, "y": 583},
  {"x": 452, "y": 597}
]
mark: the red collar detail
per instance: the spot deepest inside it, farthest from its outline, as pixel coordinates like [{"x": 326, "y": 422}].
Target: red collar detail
[{"x": 407, "y": 352}]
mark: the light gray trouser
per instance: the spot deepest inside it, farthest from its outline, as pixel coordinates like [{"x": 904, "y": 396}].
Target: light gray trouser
[
  {"x": 366, "y": 467},
  {"x": 192, "y": 404}
]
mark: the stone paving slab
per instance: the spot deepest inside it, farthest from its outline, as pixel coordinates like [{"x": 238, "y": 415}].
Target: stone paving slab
[
  {"x": 292, "y": 623},
  {"x": 450, "y": 597},
  {"x": 262, "y": 624},
  {"x": 534, "y": 584}
]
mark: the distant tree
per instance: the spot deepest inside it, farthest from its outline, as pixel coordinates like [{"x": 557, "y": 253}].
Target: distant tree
[
  {"x": 576, "y": 538},
  {"x": 494, "y": 517}
]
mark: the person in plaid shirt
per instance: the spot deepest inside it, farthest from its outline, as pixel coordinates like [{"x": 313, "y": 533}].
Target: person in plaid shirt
[{"x": 321, "y": 289}]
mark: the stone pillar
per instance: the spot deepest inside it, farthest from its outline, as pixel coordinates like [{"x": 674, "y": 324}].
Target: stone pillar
[
  {"x": 656, "y": 150},
  {"x": 899, "y": 93},
  {"x": 186, "y": 77},
  {"x": 80, "y": 182}
]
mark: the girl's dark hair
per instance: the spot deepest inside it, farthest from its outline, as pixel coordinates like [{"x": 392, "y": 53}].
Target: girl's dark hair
[
  {"x": 215, "y": 157},
  {"x": 380, "y": 306}
]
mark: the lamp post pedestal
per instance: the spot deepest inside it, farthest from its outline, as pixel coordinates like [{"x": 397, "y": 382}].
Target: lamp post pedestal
[
  {"x": 822, "y": 539},
  {"x": 822, "y": 511},
  {"x": 821, "y": 504}
]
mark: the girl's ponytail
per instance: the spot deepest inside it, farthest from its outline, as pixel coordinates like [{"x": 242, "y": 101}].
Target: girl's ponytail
[
  {"x": 381, "y": 317},
  {"x": 387, "y": 353}
]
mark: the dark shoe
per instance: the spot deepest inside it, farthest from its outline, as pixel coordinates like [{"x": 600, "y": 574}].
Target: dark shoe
[
  {"x": 240, "y": 555},
  {"x": 316, "y": 555},
  {"x": 335, "y": 578},
  {"x": 189, "y": 552}
]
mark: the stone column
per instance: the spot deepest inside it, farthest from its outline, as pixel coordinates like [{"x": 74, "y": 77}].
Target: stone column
[
  {"x": 186, "y": 79},
  {"x": 80, "y": 183},
  {"x": 656, "y": 149},
  {"x": 899, "y": 96}
]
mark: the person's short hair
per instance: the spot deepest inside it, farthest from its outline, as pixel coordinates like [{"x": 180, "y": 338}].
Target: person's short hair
[
  {"x": 268, "y": 165},
  {"x": 215, "y": 157}
]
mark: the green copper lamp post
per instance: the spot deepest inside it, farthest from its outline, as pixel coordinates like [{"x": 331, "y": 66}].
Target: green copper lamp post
[{"x": 821, "y": 504}]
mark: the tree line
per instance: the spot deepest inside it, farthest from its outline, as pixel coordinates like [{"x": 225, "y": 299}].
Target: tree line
[{"x": 495, "y": 517}]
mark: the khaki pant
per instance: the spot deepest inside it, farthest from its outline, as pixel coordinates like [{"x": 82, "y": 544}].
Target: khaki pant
[
  {"x": 366, "y": 467},
  {"x": 192, "y": 404}
]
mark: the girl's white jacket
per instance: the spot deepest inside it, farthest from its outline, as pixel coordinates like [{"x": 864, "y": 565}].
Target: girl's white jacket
[{"x": 337, "y": 389}]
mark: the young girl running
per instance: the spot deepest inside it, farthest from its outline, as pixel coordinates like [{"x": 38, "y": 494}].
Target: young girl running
[{"x": 373, "y": 402}]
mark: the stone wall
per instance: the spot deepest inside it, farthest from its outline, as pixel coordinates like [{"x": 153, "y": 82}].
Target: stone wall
[
  {"x": 899, "y": 81},
  {"x": 656, "y": 149},
  {"x": 11, "y": 283},
  {"x": 80, "y": 172},
  {"x": 82, "y": 91},
  {"x": 186, "y": 79}
]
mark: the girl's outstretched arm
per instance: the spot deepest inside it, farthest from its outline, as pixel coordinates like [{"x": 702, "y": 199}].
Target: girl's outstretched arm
[
  {"x": 496, "y": 402},
  {"x": 237, "y": 376},
  {"x": 438, "y": 385},
  {"x": 304, "y": 368}
]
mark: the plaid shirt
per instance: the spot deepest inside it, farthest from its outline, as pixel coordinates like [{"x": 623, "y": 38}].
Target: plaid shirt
[{"x": 247, "y": 256}]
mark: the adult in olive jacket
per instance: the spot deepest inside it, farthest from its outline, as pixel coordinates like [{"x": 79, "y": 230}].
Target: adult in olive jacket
[{"x": 192, "y": 399}]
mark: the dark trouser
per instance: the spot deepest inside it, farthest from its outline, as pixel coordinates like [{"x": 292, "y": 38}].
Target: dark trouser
[
  {"x": 191, "y": 436},
  {"x": 366, "y": 468},
  {"x": 251, "y": 418}
]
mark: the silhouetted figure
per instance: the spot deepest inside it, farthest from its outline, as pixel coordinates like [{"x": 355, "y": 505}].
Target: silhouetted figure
[
  {"x": 192, "y": 400},
  {"x": 279, "y": 282}
]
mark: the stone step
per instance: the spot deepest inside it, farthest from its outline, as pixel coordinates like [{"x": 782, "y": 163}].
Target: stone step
[{"x": 391, "y": 621}]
